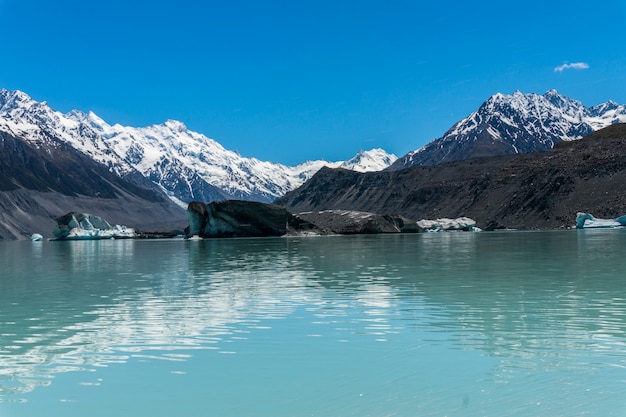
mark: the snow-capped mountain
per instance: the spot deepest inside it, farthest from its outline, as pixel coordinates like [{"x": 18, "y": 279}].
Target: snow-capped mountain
[
  {"x": 368, "y": 161},
  {"x": 187, "y": 165},
  {"x": 515, "y": 123}
]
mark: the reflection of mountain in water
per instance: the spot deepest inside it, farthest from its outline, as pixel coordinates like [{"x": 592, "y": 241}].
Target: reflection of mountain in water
[
  {"x": 96, "y": 303},
  {"x": 81, "y": 304}
]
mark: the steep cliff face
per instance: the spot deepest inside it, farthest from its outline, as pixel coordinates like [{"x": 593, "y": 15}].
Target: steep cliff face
[{"x": 528, "y": 191}]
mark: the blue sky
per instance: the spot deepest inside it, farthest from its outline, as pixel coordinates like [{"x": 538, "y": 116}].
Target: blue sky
[{"x": 288, "y": 81}]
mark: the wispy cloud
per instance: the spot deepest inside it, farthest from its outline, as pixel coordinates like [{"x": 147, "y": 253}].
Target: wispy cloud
[{"x": 573, "y": 65}]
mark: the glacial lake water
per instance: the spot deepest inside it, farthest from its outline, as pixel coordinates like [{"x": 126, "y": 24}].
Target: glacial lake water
[{"x": 442, "y": 324}]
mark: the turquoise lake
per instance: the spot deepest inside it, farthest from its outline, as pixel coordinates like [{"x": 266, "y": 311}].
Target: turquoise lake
[{"x": 437, "y": 324}]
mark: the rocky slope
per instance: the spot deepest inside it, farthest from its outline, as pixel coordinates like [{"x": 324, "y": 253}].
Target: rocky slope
[
  {"x": 526, "y": 191},
  {"x": 44, "y": 179},
  {"x": 515, "y": 123}
]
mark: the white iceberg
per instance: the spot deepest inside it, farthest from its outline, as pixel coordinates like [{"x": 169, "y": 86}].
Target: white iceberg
[
  {"x": 587, "y": 221},
  {"x": 83, "y": 226},
  {"x": 462, "y": 223},
  {"x": 36, "y": 237}
]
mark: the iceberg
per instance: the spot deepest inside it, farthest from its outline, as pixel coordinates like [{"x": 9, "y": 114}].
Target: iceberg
[
  {"x": 587, "y": 221},
  {"x": 36, "y": 237},
  {"x": 83, "y": 226},
  {"x": 462, "y": 223}
]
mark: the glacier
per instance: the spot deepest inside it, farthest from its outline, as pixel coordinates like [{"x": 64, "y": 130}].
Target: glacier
[
  {"x": 587, "y": 221},
  {"x": 84, "y": 226},
  {"x": 36, "y": 237}
]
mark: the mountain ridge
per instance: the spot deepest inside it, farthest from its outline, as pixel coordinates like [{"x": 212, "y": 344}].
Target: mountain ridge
[
  {"x": 186, "y": 165},
  {"x": 512, "y": 124}
]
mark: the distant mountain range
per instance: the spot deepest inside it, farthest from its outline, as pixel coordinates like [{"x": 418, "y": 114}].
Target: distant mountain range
[
  {"x": 186, "y": 165},
  {"x": 512, "y": 124}
]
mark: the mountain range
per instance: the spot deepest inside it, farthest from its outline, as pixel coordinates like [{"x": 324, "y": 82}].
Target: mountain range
[
  {"x": 512, "y": 124},
  {"x": 186, "y": 165},
  {"x": 53, "y": 162}
]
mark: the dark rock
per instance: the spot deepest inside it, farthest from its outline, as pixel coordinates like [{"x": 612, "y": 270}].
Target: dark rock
[
  {"x": 298, "y": 226},
  {"x": 140, "y": 234},
  {"x": 197, "y": 217},
  {"x": 236, "y": 218},
  {"x": 348, "y": 222},
  {"x": 493, "y": 225},
  {"x": 403, "y": 224}
]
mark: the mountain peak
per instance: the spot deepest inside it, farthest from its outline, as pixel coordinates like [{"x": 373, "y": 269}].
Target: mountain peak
[
  {"x": 366, "y": 161},
  {"x": 552, "y": 93},
  {"x": 14, "y": 93},
  {"x": 563, "y": 102},
  {"x": 515, "y": 123},
  {"x": 175, "y": 125},
  {"x": 13, "y": 99}
]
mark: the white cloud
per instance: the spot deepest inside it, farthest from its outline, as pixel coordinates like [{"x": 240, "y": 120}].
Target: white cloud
[{"x": 573, "y": 65}]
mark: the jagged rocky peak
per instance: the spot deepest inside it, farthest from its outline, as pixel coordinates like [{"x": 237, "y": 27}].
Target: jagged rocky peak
[
  {"x": 515, "y": 123},
  {"x": 90, "y": 119},
  {"x": 604, "y": 107},
  {"x": 21, "y": 103},
  {"x": 520, "y": 106},
  {"x": 17, "y": 105},
  {"x": 175, "y": 125},
  {"x": 561, "y": 101},
  {"x": 12, "y": 99}
]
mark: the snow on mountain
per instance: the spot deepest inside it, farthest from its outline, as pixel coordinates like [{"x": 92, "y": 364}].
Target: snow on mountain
[
  {"x": 369, "y": 161},
  {"x": 515, "y": 123},
  {"x": 185, "y": 164},
  {"x": 38, "y": 123}
]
